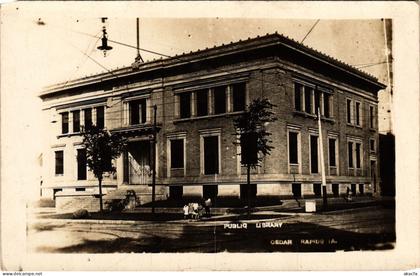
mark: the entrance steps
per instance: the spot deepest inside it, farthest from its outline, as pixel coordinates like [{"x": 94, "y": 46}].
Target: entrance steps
[{"x": 143, "y": 192}]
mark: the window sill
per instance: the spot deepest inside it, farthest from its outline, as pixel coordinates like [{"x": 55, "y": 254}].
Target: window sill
[
  {"x": 73, "y": 134},
  {"x": 59, "y": 175},
  {"x": 304, "y": 114},
  {"x": 180, "y": 120},
  {"x": 308, "y": 115},
  {"x": 69, "y": 134}
]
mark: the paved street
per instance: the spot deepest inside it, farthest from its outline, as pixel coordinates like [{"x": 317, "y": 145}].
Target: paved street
[{"x": 367, "y": 228}]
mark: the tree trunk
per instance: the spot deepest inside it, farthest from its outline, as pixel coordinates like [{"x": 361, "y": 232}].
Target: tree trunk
[{"x": 101, "y": 207}]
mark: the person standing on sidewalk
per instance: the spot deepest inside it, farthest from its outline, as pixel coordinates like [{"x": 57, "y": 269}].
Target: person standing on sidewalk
[
  {"x": 348, "y": 194},
  {"x": 207, "y": 205},
  {"x": 185, "y": 211}
]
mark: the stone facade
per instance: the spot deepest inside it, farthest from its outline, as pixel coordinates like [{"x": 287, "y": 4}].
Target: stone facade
[{"x": 273, "y": 67}]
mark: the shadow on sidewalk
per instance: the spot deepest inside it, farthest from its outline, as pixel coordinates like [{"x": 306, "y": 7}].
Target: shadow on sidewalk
[{"x": 297, "y": 237}]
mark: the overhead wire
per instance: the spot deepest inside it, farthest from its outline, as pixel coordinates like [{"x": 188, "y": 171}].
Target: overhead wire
[
  {"x": 264, "y": 81},
  {"x": 310, "y": 30}
]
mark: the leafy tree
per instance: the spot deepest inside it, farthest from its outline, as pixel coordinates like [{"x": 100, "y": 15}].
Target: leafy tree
[
  {"x": 101, "y": 148},
  {"x": 254, "y": 121}
]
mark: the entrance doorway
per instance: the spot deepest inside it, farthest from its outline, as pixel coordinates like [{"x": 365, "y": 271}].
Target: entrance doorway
[{"x": 137, "y": 170}]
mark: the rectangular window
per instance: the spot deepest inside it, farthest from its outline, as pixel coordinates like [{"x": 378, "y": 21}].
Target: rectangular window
[
  {"x": 219, "y": 100},
  {"x": 239, "y": 93},
  {"x": 202, "y": 102},
  {"x": 211, "y": 155},
  {"x": 293, "y": 148},
  {"x": 371, "y": 117},
  {"x": 185, "y": 105},
  {"x": 350, "y": 154},
  {"x": 64, "y": 122},
  {"x": 59, "y": 162},
  {"x": 317, "y": 101},
  {"x": 308, "y": 107},
  {"x": 361, "y": 189},
  {"x": 88, "y": 118},
  {"x": 314, "y": 154},
  {"x": 175, "y": 192},
  {"x": 349, "y": 111},
  {"x": 76, "y": 121},
  {"x": 372, "y": 145},
  {"x": 335, "y": 189},
  {"x": 326, "y": 105},
  {"x": 81, "y": 164},
  {"x": 358, "y": 113},
  {"x": 298, "y": 97},
  {"x": 331, "y": 152},
  {"x": 177, "y": 153},
  {"x": 100, "y": 117},
  {"x": 317, "y": 189},
  {"x": 353, "y": 189},
  {"x": 358, "y": 155},
  {"x": 296, "y": 190},
  {"x": 137, "y": 110}
]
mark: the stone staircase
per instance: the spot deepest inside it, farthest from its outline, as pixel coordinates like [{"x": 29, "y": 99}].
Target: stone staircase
[{"x": 143, "y": 192}]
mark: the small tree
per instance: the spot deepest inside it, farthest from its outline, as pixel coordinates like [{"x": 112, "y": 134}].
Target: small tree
[
  {"x": 101, "y": 148},
  {"x": 252, "y": 125}
]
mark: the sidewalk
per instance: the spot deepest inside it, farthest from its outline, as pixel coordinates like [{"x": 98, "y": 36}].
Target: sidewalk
[
  {"x": 288, "y": 205},
  {"x": 286, "y": 209}
]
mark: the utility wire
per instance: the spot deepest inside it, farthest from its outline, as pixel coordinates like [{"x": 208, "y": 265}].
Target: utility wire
[
  {"x": 372, "y": 64},
  {"x": 313, "y": 26},
  {"x": 165, "y": 55}
]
